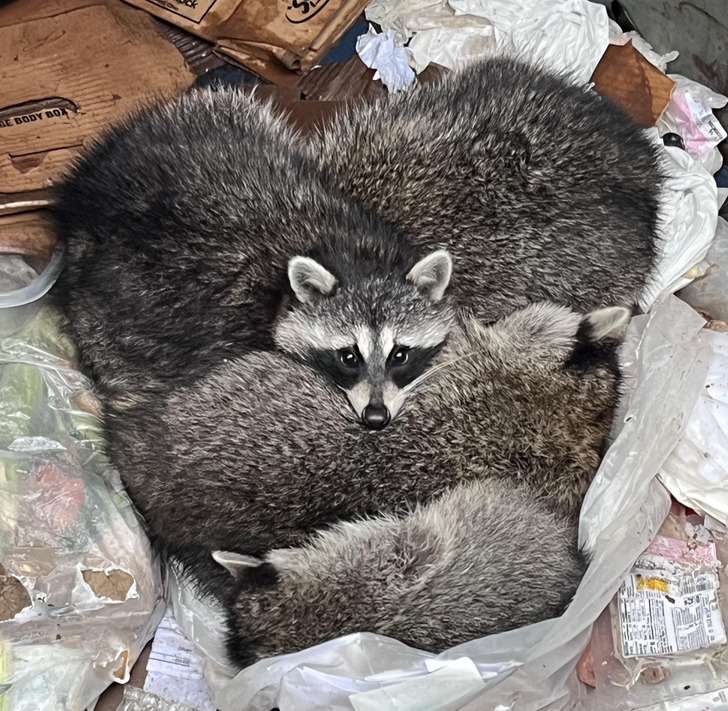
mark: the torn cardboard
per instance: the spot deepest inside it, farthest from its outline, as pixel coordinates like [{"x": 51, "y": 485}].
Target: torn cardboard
[
  {"x": 641, "y": 89},
  {"x": 113, "y": 584},
  {"x": 276, "y": 39},
  {"x": 13, "y": 596},
  {"x": 69, "y": 70}
]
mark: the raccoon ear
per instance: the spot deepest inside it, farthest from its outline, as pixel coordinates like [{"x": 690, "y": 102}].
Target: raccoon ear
[
  {"x": 235, "y": 563},
  {"x": 246, "y": 568},
  {"x": 309, "y": 280},
  {"x": 597, "y": 339},
  {"x": 431, "y": 275},
  {"x": 611, "y": 322}
]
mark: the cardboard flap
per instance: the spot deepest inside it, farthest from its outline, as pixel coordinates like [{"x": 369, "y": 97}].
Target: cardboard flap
[{"x": 69, "y": 74}]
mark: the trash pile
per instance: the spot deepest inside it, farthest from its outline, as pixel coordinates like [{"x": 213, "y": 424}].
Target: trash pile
[{"x": 80, "y": 594}]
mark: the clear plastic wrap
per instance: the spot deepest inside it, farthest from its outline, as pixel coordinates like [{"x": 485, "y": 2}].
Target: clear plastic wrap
[{"x": 80, "y": 594}]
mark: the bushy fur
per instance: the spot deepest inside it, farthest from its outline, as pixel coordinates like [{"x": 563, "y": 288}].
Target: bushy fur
[
  {"x": 179, "y": 224},
  {"x": 263, "y": 451},
  {"x": 539, "y": 188},
  {"x": 180, "y": 221},
  {"x": 485, "y": 557}
]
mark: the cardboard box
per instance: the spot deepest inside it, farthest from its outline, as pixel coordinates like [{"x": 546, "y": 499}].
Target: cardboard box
[
  {"x": 276, "y": 39},
  {"x": 639, "y": 87},
  {"x": 29, "y": 234},
  {"x": 70, "y": 68}
]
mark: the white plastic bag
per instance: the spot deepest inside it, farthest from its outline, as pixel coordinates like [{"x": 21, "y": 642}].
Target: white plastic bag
[{"x": 530, "y": 668}]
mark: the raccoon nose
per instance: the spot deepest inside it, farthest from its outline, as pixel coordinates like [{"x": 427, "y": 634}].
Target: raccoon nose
[{"x": 375, "y": 416}]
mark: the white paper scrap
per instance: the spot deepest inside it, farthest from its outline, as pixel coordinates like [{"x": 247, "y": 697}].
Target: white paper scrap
[
  {"x": 379, "y": 51},
  {"x": 174, "y": 669}
]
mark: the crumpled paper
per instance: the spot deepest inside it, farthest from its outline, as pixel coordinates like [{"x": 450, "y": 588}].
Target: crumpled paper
[
  {"x": 381, "y": 52},
  {"x": 665, "y": 363}
]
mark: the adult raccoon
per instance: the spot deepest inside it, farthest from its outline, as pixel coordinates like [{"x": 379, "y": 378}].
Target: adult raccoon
[{"x": 540, "y": 189}]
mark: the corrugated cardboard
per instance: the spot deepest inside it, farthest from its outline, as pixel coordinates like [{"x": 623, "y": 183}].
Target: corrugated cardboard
[
  {"x": 639, "y": 87},
  {"x": 276, "y": 39},
  {"x": 68, "y": 69}
]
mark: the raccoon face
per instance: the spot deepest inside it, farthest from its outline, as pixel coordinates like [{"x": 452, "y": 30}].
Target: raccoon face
[{"x": 374, "y": 335}]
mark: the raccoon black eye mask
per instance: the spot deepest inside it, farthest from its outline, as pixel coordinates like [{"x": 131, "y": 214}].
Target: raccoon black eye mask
[{"x": 375, "y": 348}]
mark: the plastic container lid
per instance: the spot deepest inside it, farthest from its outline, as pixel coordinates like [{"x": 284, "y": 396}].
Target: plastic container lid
[{"x": 37, "y": 288}]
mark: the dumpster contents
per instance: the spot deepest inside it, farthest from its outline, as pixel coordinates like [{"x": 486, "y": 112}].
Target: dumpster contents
[
  {"x": 274, "y": 40},
  {"x": 79, "y": 591},
  {"x": 696, "y": 472},
  {"x": 559, "y": 34},
  {"x": 81, "y": 68}
]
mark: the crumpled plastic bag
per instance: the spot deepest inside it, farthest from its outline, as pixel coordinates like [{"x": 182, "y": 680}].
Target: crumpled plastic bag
[
  {"x": 696, "y": 472},
  {"x": 80, "y": 594},
  {"x": 561, "y": 34},
  {"x": 688, "y": 223},
  {"x": 689, "y": 114},
  {"x": 709, "y": 292},
  {"x": 530, "y": 668}
]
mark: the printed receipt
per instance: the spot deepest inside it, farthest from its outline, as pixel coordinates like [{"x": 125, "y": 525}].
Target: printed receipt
[{"x": 174, "y": 669}]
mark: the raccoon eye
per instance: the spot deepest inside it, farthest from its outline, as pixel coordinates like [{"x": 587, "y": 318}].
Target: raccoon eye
[
  {"x": 400, "y": 356},
  {"x": 348, "y": 358}
]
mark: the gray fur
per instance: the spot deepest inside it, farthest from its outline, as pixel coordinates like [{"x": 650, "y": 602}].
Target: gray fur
[
  {"x": 263, "y": 451},
  {"x": 485, "y": 557},
  {"x": 181, "y": 222},
  {"x": 539, "y": 188},
  {"x": 179, "y": 225}
]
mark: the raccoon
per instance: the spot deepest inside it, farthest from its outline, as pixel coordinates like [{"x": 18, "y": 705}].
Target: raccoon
[
  {"x": 193, "y": 227},
  {"x": 539, "y": 188},
  {"x": 204, "y": 229},
  {"x": 485, "y": 557},
  {"x": 263, "y": 451}
]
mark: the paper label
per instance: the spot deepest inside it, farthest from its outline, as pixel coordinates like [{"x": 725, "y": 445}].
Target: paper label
[
  {"x": 670, "y": 604},
  {"x": 704, "y": 119},
  {"x": 712, "y": 701},
  {"x": 174, "y": 669}
]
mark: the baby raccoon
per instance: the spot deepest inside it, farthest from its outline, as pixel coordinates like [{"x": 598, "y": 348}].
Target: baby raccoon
[
  {"x": 485, "y": 557},
  {"x": 263, "y": 451}
]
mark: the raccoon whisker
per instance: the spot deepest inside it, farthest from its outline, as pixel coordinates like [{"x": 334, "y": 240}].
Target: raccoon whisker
[{"x": 432, "y": 371}]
